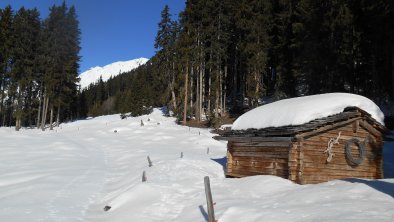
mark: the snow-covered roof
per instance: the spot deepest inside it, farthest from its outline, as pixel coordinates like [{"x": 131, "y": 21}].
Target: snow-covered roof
[{"x": 300, "y": 110}]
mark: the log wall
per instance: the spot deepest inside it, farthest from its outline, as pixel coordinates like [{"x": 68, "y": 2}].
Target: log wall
[
  {"x": 316, "y": 169},
  {"x": 268, "y": 157},
  {"x": 304, "y": 161}
]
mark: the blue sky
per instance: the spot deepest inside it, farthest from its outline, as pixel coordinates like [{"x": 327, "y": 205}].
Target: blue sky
[{"x": 112, "y": 30}]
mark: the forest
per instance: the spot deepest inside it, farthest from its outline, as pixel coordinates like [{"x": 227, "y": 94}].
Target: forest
[
  {"x": 223, "y": 57},
  {"x": 216, "y": 60},
  {"x": 39, "y": 65}
]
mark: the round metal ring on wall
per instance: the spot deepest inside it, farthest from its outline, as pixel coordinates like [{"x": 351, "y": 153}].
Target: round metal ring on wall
[{"x": 348, "y": 151}]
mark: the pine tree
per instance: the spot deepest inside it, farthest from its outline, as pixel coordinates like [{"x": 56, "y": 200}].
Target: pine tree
[{"x": 6, "y": 20}]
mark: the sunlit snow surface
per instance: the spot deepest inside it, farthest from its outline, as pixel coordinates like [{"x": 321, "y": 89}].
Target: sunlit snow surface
[
  {"x": 300, "y": 110},
  {"x": 73, "y": 172},
  {"x": 93, "y": 74}
]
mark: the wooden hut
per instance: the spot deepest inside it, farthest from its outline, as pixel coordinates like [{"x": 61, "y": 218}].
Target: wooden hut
[{"x": 344, "y": 145}]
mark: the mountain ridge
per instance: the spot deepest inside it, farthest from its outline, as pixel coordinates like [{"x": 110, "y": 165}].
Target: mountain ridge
[{"x": 93, "y": 74}]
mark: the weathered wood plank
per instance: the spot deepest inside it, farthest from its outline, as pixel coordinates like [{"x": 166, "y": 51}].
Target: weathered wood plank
[
  {"x": 261, "y": 154},
  {"x": 260, "y": 165},
  {"x": 371, "y": 129},
  {"x": 325, "y": 128},
  {"x": 253, "y": 138},
  {"x": 246, "y": 172},
  {"x": 262, "y": 144},
  {"x": 260, "y": 149}
]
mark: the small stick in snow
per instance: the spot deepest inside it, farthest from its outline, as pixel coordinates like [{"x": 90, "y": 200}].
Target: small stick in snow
[
  {"x": 142, "y": 123},
  {"x": 149, "y": 162},
  {"x": 143, "y": 177},
  {"x": 208, "y": 150},
  {"x": 181, "y": 154},
  {"x": 208, "y": 194},
  {"x": 199, "y": 133}
]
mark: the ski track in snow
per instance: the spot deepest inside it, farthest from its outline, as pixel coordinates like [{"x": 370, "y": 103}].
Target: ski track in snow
[{"x": 72, "y": 173}]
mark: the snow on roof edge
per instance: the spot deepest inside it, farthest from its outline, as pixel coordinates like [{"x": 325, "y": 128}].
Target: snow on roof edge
[{"x": 300, "y": 110}]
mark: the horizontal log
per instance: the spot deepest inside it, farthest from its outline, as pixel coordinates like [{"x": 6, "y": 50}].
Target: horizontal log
[
  {"x": 309, "y": 171},
  {"x": 334, "y": 168},
  {"x": 260, "y": 154},
  {"x": 253, "y": 139},
  {"x": 263, "y": 160},
  {"x": 261, "y": 144},
  {"x": 318, "y": 159},
  {"x": 243, "y": 173},
  {"x": 313, "y": 151},
  {"x": 257, "y": 165},
  {"x": 339, "y": 175},
  {"x": 259, "y": 149}
]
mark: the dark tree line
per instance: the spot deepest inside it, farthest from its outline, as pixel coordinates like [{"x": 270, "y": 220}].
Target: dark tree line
[
  {"x": 39, "y": 65},
  {"x": 227, "y": 56}
]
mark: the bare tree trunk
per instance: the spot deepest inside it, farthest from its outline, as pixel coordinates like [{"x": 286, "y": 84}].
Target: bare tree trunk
[
  {"x": 235, "y": 83},
  {"x": 203, "y": 97},
  {"x": 58, "y": 116},
  {"x": 3, "y": 113},
  {"x": 209, "y": 92},
  {"x": 218, "y": 91},
  {"x": 4, "y": 117},
  {"x": 217, "y": 104},
  {"x": 185, "y": 102},
  {"x": 197, "y": 104},
  {"x": 51, "y": 118},
  {"x": 220, "y": 94},
  {"x": 225, "y": 91},
  {"x": 173, "y": 96},
  {"x": 392, "y": 69},
  {"x": 39, "y": 111},
  {"x": 191, "y": 87},
  {"x": 200, "y": 96},
  {"x": 18, "y": 111},
  {"x": 172, "y": 87},
  {"x": 257, "y": 90},
  {"x": 45, "y": 111},
  {"x": 17, "y": 123}
]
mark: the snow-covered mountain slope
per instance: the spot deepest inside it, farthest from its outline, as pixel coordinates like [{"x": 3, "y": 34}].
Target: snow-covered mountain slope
[
  {"x": 73, "y": 172},
  {"x": 114, "y": 69}
]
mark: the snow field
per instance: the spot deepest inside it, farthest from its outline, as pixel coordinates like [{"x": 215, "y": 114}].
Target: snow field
[{"x": 72, "y": 174}]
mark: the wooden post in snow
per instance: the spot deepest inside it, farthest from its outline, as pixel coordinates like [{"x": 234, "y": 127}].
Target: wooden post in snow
[
  {"x": 149, "y": 162},
  {"x": 208, "y": 194},
  {"x": 143, "y": 176}
]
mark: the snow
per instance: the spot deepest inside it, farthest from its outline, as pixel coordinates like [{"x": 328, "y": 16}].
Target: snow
[
  {"x": 300, "y": 110},
  {"x": 93, "y": 74},
  {"x": 73, "y": 172}
]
